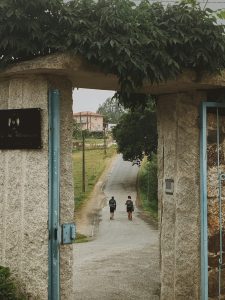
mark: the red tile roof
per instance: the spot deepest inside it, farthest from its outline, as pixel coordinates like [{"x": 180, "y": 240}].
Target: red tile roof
[{"x": 87, "y": 113}]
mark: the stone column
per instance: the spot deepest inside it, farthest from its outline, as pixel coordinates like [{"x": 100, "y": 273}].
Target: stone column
[
  {"x": 178, "y": 160},
  {"x": 24, "y": 193},
  {"x": 24, "y": 189}
]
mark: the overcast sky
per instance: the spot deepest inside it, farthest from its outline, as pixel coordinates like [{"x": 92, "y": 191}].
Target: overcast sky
[
  {"x": 88, "y": 99},
  {"x": 213, "y": 4}
]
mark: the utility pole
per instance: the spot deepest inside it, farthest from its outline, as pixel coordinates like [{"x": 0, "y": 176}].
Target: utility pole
[
  {"x": 83, "y": 161},
  {"x": 104, "y": 126},
  {"x": 148, "y": 196}
]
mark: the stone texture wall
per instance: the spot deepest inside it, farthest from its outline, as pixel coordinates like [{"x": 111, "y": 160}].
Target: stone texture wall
[
  {"x": 24, "y": 190},
  {"x": 24, "y": 193},
  {"x": 178, "y": 159}
]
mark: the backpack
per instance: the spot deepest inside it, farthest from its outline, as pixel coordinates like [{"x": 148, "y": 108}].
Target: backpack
[
  {"x": 112, "y": 203},
  {"x": 130, "y": 204}
]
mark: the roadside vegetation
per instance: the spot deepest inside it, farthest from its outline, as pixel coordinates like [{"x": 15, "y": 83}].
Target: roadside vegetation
[
  {"x": 90, "y": 143},
  {"x": 112, "y": 110},
  {"x": 81, "y": 238},
  {"x": 148, "y": 185},
  {"x": 95, "y": 163},
  {"x": 8, "y": 288}
]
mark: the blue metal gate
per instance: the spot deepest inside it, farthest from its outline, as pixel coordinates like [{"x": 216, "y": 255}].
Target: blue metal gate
[
  {"x": 54, "y": 195},
  {"x": 212, "y": 171}
]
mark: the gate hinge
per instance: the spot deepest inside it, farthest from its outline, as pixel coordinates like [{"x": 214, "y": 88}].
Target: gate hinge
[{"x": 68, "y": 233}]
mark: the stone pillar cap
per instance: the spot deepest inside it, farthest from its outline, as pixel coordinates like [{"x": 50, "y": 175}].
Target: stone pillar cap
[{"x": 84, "y": 75}]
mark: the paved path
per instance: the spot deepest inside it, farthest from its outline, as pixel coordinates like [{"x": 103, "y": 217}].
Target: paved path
[{"x": 122, "y": 262}]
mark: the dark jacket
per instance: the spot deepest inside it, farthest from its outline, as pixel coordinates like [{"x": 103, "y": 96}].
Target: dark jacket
[
  {"x": 130, "y": 205},
  {"x": 112, "y": 203}
]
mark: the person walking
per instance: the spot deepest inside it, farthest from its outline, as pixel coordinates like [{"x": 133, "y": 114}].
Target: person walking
[
  {"x": 112, "y": 207},
  {"x": 130, "y": 207}
]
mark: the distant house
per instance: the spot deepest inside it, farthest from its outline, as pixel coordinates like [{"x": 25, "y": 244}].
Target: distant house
[{"x": 90, "y": 121}]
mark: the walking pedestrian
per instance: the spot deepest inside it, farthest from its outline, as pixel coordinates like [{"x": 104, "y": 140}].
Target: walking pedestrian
[
  {"x": 130, "y": 207},
  {"x": 112, "y": 207}
]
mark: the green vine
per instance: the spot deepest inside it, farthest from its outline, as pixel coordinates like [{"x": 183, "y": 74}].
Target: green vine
[{"x": 136, "y": 42}]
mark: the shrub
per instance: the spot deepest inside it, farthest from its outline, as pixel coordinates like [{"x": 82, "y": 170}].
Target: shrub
[
  {"x": 8, "y": 288},
  {"x": 148, "y": 185}
]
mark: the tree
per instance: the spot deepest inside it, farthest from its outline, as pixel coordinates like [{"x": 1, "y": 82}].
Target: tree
[
  {"x": 141, "y": 42},
  {"x": 136, "y": 134},
  {"x": 111, "y": 110},
  {"x": 77, "y": 130}
]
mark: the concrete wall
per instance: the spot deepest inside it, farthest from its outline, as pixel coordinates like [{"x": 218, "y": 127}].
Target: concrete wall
[
  {"x": 178, "y": 159},
  {"x": 24, "y": 190}
]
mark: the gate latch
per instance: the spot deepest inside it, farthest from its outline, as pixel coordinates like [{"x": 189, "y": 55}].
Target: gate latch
[{"x": 68, "y": 233}]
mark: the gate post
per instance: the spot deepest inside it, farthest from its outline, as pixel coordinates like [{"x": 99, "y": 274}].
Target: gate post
[
  {"x": 203, "y": 177},
  {"x": 24, "y": 186},
  {"x": 179, "y": 208},
  {"x": 54, "y": 195}
]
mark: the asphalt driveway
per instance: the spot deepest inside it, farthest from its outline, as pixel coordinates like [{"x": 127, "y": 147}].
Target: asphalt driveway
[{"x": 121, "y": 262}]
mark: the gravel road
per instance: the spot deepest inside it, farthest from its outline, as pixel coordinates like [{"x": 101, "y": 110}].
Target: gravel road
[{"x": 122, "y": 261}]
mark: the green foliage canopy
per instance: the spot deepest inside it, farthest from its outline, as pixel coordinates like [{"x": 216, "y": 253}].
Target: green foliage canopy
[
  {"x": 111, "y": 110},
  {"x": 77, "y": 130},
  {"x": 136, "y": 134},
  {"x": 135, "y": 42},
  {"x": 148, "y": 185}
]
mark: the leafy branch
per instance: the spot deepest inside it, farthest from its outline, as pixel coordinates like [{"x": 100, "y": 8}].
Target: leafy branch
[{"x": 134, "y": 42}]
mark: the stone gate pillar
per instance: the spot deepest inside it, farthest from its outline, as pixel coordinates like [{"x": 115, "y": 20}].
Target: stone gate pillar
[
  {"x": 24, "y": 173},
  {"x": 24, "y": 187},
  {"x": 179, "y": 207}
]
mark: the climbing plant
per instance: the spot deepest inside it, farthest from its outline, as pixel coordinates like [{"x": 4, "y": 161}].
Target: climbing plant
[{"x": 136, "y": 42}]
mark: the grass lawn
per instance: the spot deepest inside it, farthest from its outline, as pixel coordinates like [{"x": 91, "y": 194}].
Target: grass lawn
[
  {"x": 91, "y": 141},
  {"x": 81, "y": 238},
  {"x": 94, "y": 141},
  {"x": 95, "y": 163}
]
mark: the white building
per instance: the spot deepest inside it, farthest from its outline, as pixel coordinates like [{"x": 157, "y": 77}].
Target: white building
[{"x": 90, "y": 121}]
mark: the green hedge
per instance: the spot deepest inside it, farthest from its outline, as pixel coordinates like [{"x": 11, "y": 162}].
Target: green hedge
[{"x": 148, "y": 186}]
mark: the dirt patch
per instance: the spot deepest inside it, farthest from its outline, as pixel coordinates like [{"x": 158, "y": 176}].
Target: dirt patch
[{"x": 89, "y": 215}]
